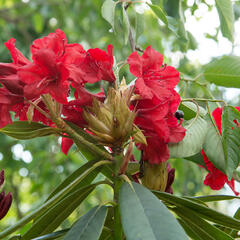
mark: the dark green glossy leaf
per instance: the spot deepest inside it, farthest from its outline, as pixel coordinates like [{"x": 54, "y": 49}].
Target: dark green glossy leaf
[
  {"x": 198, "y": 159},
  {"x": 145, "y": 217},
  {"x": 224, "y": 71},
  {"x": 226, "y": 16},
  {"x": 214, "y": 198},
  {"x": 54, "y": 235},
  {"x": 190, "y": 232},
  {"x": 201, "y": 210},
  {"x": 201, "y": 227},
  {"x": 25, "y": 130},
  {"x": 89, "y": 226},
  {"x": 58, "y": 213}
]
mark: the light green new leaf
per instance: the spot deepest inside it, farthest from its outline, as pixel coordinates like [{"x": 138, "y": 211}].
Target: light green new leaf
[
  {"x": 226, "y": 17},
  {"x": 159, "y": 12},
  {"x": 224, "y": 71},
  {"x": 145, "y": 217},
  {"x": 196, "y": 131},
  {"x": 231, "y": 138},
  {"x": 89, "y": 226},
  {"x": 108, "y": 11},
  {"x": 126, "y": 24},
  {"x": 38, "y": 21},
  {"x": 213, "y": 147}
]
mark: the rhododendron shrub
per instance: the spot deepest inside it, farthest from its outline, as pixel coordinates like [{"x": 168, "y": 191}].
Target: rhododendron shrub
[{"x": 48, "y": 95}]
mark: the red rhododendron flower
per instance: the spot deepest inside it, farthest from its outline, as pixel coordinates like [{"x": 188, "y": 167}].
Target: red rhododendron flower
[
  {"x": 153, "y": 79},
  {"x": 215, "y": 178},
  {"x": 5, "y": 200},
  {"x": 7, "y": 100}
]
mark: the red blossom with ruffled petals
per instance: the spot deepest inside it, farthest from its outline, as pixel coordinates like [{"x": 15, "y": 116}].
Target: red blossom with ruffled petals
[
  {"x": 153, "y": 79},
  {"x": 216, "y": 179}
]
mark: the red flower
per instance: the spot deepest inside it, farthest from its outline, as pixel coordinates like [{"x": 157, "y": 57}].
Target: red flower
[
  {"x": 5, "y": 200},
  {"x": 7, "y": 100},
  {"x": 216, "y": 179},
  {"x": 153, "y": 79}
]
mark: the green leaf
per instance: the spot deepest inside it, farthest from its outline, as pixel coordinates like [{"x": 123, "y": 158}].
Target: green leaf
[
  {"x": 190, "y": 110},
  {"x": 224, "y": 71},
  {"x": 197, "y": 158},
  {"x": 204, "y": 229},
  {"x": 89, "y": 226},
  {"x": 108, "y": 11},
  {"x": 38, "y": 22},
  {"x": 231, "y": 138},
  {"x": 213, "y": 147},
  {"x": 192, "y": 44},
  {"x": 58, "y": 213},
  {"x": 202, "y": 211},
  {"x": 54, "y": 235},
  {"x": 54, "y": 200},
  {"x": 190, "y": 232},
  {"x": 196, "y": 130},
  {"x": 87, "y": 180},
  {"x": 214, "y": 198},
  {"x": 145, "y": 217},
  {"x": 126, "y": 24},
  {"x": 226, "y": 17},
  {"x": 159, "y": 12},
  {"x": 25, "y": 130}
]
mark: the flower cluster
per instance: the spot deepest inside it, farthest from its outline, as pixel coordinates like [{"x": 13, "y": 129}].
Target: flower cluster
[
  {"x": 216, "y": 179},
  {"x": 157, "y": 104},
  {"x": 5, "y": 200},
  {"x": 145, "y": 111}
]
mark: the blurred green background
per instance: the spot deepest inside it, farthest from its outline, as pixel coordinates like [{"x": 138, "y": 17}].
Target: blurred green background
[{"x": 34, "y": 168}]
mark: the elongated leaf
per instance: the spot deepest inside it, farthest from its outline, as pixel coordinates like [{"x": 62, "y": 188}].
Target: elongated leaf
[
  {"x": 54, "y": 235},
  {"x": 108, "y": 11},
  {"x": 25, "y": 130},
  {"x": 204, "y": 228},
  {"x": 126, "y": 24},
  {"x": 51, "y": 202},
  {"x": 196, "y": 130},
  {"x": 201, "y": 210},
  {"x": 231, "y": 138},
  {"x": 89, "y": 226},
  {"x": 58, "y": 213},
  {"x": 190, "y": 110},
  {"x": 159, "y": 12},
  {"x": 226, "y": 16},
  {"x": 75, "y": 175},
  {"x": 214, "y": 198},
  {"x": 145, "y": 217},
  {"x": 139, "y": 27},
  {"x": 88, "y": 154},
  {"x": 213, "y": 147},
  {"x": 224, "y": 71},
  {"x": 190, "y": 232}
]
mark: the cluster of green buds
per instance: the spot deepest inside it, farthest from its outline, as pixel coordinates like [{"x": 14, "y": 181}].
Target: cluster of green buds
[{"x": 112, "y": 121}]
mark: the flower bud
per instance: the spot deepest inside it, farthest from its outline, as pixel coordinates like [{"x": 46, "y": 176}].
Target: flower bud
[
  {"x": 112, "y": 121},
  {"x": 5, "y": 200},
  {"x": 155, "y": 176}
]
